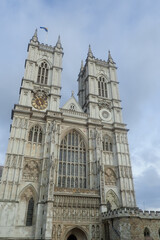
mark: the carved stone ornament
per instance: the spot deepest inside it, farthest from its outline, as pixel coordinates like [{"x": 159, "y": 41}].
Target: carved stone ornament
[
  {"x": 59, "y": 231},
  {"x": 27, "y": 194},
  {"x": 105, "y": 114},
  {"x": 93, "y": 232},
  {"x": 40, "y": 90},
  {"x": 30, "y": 171},
  {"x": 110, "y": 177},
  {"x": 103, "y": 103},
  {"x": 68, "y": 209}
]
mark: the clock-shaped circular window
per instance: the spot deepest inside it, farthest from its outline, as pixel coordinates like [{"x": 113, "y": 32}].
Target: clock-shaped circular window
[{"x": 105, "y": 115}]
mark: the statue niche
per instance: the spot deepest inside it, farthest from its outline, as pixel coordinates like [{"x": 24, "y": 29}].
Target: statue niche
[{"x": 112, "y": 200}]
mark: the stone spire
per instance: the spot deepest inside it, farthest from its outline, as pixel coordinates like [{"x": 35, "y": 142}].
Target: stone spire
[
  {"x": 90, "y": 54},
  {"x": 110, "y": 59},
  {"x": 35, "y": 37},
  {"x": 58, "y": 44}
]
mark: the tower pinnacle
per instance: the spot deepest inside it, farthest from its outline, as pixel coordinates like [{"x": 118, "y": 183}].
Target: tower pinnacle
[
  {"x": 90, "y": 54},
  {"x": 35, "y": 37},
  {"x": 58, "y": 44},
  {"x": 110, "y": 59}
]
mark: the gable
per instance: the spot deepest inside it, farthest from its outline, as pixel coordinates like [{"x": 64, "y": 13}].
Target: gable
[{"x": 72, "y": 105}]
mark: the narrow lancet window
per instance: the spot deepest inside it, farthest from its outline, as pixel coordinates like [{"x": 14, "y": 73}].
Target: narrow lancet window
[
  {"x": 102, "y": 87},
  {"x": 29, "y": 220},
  {"x": 43, "y": 73}
]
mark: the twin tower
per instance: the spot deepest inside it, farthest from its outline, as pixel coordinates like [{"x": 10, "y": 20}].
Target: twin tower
[{"x": 65, "y": 166}]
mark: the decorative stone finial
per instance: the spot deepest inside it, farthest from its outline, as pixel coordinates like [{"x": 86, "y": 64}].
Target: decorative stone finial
[
  {"x": 72, "y": 95},
  {"x": 58, "y": 44},
  {"x": 110, "y": 59},
  {"x": 90, "y": 54},
  {"x": 35, "y": 38}
]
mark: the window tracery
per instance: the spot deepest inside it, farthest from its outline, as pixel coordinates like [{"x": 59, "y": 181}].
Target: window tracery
[
  {"x": 72, "y": 161},
  {"x": 107, "y": 144},
  {"x": 35, "y": 134},
  {"x": 102, "y": 87},
  {"x": 43, "y": 73}
]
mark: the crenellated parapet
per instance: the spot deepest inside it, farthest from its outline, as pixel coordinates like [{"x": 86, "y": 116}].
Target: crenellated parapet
[
  {"x": 46, "y": 47},
  {"x": 130, "y": 212}
]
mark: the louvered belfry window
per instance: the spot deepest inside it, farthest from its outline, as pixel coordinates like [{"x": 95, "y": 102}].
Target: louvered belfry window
[
  {"x": 102, "y": 87},
  {"x": 72, "y": 161},
  {"x": 43, "y": 73}
]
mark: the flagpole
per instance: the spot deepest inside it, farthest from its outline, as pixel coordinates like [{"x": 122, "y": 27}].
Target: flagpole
[{"x": 46, "y": 38}]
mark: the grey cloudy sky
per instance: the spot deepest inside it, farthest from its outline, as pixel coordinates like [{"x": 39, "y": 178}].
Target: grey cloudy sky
[{"x": 131, "y": 30}]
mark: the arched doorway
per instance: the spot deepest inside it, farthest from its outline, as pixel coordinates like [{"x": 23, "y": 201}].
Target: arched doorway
[
  {"x": 71, "y": 237},
  {"x": 75, "y": 234}
]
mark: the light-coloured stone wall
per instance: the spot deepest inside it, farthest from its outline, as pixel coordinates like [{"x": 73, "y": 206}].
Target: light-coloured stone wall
[
  {"x": 32, "y": 167},
  {"x": 129, "y": 224}
]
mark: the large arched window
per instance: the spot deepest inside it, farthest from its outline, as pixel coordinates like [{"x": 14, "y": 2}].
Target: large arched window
[
  {"x": 72, "y": 161},
  {"x": 107, "y": 144},
  {"x": 42, "y": 73},
  {"x": 30, "y": 210},
  {"x": 102, "y": 87},
  {"x": 35, "y": 134}
]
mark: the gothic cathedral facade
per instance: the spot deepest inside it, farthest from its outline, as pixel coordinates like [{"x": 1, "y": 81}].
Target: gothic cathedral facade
[{"x": 65, "y": 167}]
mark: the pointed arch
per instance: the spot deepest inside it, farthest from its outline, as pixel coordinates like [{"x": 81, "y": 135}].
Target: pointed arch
[
  {"x": 44, "y": 66},
  {"x": 27, "y": 192},
  {"x": 44, "y": 59},
  {"x": 43, "y": 71},
  {"x": 72, "y": 161},
  {"x": 112, "y": 199},
  {"x": 79, "y": 131},
  {"x": 77, "y": 232},
  {"x": 102, "y": 74},
  {"x": 35, "y": 139},
  {"x": 27, "y": 207}
]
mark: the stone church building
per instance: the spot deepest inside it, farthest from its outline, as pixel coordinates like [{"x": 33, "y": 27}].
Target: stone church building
[{"x": 67, "y": 174}]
